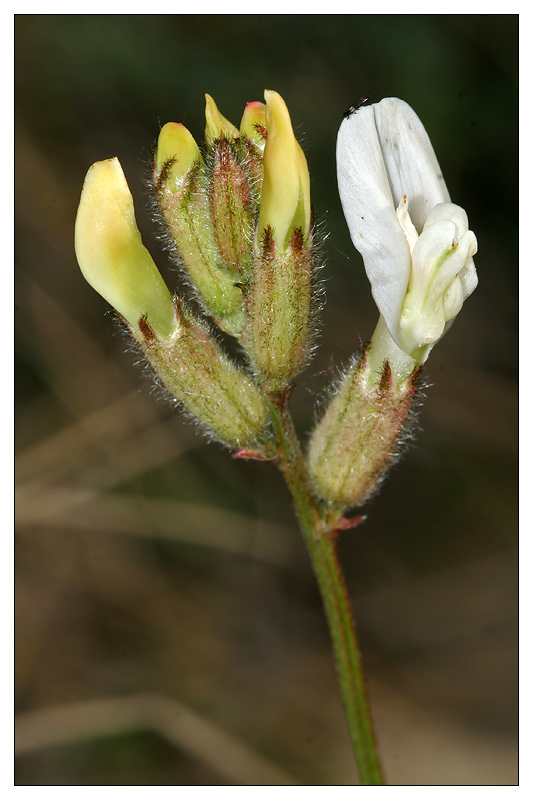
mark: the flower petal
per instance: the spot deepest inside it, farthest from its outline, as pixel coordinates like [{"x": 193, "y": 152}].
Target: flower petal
[
  {"x": 177, "y": 151},
  {"x": 111, "y": 254},
  {"x": 253, "y": 123},
  {"x": 468, "y": 276},
  {"x": 217, "y": 126},
  {"x": 410, "y": 161},
  {"x": 370, "y": 212},
  {"x": 434, "y": 258},
  {"x": 285, "y": 194},
  {"x": 452, "y": 212},
  {"x": 435, "y": 293}
]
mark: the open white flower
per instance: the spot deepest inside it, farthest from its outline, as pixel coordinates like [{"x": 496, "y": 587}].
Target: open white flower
[{"x": 416, "y": 245}]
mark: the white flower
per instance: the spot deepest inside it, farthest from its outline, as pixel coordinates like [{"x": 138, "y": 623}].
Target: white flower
[{"x": 416, "y": 245}]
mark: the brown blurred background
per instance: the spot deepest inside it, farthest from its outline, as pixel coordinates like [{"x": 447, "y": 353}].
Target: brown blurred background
[{"x": 168, "y": 628}]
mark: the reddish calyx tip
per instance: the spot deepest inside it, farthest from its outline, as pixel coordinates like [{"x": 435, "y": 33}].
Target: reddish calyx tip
[
  {"x": 385, "y": 382},
  {"x": 349, "y": 522},
  {"x": 146, "y": 329},
  {"x": 249, "y": 454}
]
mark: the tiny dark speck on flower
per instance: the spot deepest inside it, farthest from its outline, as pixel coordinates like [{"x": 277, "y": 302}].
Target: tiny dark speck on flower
[{"x": 355, "y": 106}]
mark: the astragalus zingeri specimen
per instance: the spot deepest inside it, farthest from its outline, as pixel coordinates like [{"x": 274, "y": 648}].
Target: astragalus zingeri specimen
[{"x": 238, "y": 214}]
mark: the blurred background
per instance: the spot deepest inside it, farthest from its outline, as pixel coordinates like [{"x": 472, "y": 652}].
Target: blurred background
[{"x": 168, "y": 627}]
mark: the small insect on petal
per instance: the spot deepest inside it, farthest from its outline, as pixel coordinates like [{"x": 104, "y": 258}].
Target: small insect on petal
[{"x": 353, "y": 108}]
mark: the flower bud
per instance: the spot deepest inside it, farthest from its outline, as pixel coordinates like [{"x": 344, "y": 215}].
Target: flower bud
[
  {"x": 356, "y": 440},
  {"x": 285, "y": 196},
  {"x": 182, "y": 187},
  {"x": 232, "y": 204},
  {"x": 192, "y": 367},
  {"x": 217, "y": 126},
  {"x": 253, "y": 123},
  {"x": 278, "y": 302},
  {"x": 234, "y": 168},
  {"x": 176, "y": 154},
  {"x": 111, "y": 254}
]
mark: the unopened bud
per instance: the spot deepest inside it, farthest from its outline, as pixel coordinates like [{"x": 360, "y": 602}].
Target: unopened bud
[
  {"x": 253, "y": 123},
  {"x": 357, "y": 438},
  {"x": 182, "y": 187},
  {"x": 278, "y": 303},
  {"x": 176, "y": 154},
  {"x": 192, "y": 367},
  {"x": 235, "y": 173},
  {"x": 232, "y": 203},
  {"x": 111, "y": 254},
  {"x": 217, "y": 126},
  {"x": 285, "y": 195}
]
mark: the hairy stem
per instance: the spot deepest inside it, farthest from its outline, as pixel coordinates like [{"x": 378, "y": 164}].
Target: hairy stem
[{"x": 319, "y": 533}]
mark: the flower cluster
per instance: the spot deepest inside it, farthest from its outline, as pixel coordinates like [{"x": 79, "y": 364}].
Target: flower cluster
[
  {"x": 238, "y": 214},
  {"x": 241, "y": 221}
]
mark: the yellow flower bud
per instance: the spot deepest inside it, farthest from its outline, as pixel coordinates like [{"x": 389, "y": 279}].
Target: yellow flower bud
[
  {"x": 182, "y": 183},
  {"x": 286, "y": 194},
  {"x": 176, "y": 153},
  {"x": 217, "y": 126},
  {"x": 253, "y": 123},
  {"x": 279, "y": 300},
  {"x": 232, "y": 207},
  {"x": 111, "y": 254}
]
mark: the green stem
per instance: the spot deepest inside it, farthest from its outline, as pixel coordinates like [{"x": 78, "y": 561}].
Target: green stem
[{"x": 319, "y": 535}]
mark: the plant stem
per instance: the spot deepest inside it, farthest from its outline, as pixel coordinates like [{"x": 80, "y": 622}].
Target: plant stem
[{"x": 319, "y": 534}]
